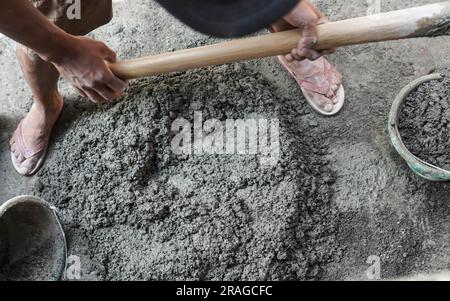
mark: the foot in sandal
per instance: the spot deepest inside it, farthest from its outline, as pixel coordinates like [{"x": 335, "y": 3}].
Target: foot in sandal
[
  {"x": 29, "y": 143},
  {"x": 320, "y": 82}
]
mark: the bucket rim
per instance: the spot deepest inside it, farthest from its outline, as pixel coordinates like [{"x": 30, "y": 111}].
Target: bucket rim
[
  {"x": 417, "y": 165},
  {"x": 24, "y": 199}
]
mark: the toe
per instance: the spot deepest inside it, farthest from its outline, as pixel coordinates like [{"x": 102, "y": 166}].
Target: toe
[
  {"x": 18, "y": 156},
  {"x": 323, "y": 103},
  {"x": 16, "y": 153},
  {"x": 335, "y": 88},
  {"x": 331, "y": 94},
  {"x": 328, "y": 107},
  {"x": 24, "y": 171},
  {"x": 24, "y": 166},
  {"x": 337, "y": 78},
  {"x": 21, "y": 158},
  {"x": 28, "y": 165}
]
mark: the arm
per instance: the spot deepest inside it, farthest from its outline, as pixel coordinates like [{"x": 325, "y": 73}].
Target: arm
[
  {"x": 22, "y": 22},
  {"x": 79, "y": 60}
]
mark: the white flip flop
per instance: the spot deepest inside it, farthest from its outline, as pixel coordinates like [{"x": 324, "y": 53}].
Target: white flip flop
[
  {"x": 337, "y": 107},
  {"x": 28, "y": 154}
]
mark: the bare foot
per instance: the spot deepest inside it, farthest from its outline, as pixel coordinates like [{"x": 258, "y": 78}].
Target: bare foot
[
  {"x": 30, "y": 141},
  {"x": 320, "y": 81}
]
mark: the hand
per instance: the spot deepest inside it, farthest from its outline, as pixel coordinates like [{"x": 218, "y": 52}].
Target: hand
[
  {"x": 84, "y": 65},
  {"x": 305, "y": 16}
]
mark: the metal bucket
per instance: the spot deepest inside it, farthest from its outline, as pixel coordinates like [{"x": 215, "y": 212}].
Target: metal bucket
[
  {"x": 420, "y": 167},
  {"x": 32, "y": 241}
]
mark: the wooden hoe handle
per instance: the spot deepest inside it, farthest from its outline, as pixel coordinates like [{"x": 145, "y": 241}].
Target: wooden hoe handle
[{"x": 425, "y": 21}]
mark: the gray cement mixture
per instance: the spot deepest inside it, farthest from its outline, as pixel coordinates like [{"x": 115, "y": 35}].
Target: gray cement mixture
[
  {"x": 424, "y": 122},
  {"x": 38, "y": 266},
  {"x": 150, "y": 214},
  {"x": 340, "y": 204}
]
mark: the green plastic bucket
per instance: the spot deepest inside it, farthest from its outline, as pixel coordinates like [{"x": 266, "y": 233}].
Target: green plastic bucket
[{"x": 420, "y": 167}]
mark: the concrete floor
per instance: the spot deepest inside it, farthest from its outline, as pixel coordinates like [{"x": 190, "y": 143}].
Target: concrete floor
[{"x": 376, "y": 194}]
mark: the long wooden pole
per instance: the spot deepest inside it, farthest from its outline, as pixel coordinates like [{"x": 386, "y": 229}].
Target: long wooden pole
[{"x": 425, "y": 21}]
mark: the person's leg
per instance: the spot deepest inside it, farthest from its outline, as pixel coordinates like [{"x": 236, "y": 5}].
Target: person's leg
[
  {"x": 30, "y": 140},
  {"x": 320, "y": 81},
  {"x": 35, "y": 128}
]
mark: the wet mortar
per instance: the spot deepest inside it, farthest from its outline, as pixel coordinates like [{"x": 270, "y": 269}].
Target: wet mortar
[
  {"x": 38, "y": 266},
  {"x": 135, "y": 210},
  {"x": 424, "y": 122}
]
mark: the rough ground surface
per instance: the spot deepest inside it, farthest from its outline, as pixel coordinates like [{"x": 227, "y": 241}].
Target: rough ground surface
[
  {"x": 425, "y": 122},
  {"x": 364, "y": 200}
]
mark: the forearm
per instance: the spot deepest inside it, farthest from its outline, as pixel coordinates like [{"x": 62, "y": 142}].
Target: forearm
[{"x": 24, "y": 23}]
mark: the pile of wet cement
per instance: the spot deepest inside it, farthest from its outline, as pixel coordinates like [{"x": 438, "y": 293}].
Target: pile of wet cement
[
  {"x": 135, "y": 210},
  {"x": 27, "y": 250},
  {"x": 425, "y": 122}
]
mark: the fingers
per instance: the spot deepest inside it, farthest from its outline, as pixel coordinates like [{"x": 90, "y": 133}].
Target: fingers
[
  {"x": 323, "y": 20},
  {"x": 306, "y": 45},
  {"x": 109, "y": 55},
  {"x": 87, "y": 70},
  {"x": 104, "y": 91},
  {"x": 80, "y": 92},
  {"x": 319, "y": 13},
  {"x": 305, "y": 49},
  {"x": 305, "y": 16},
  {"x": 114, "y": 86},
  {"x": 106, "y": 88},
  {"x": 328, "y": 51},
  {"x": 93, "y": 95},
  {"x": 111, "y": 87},
  {"x": 304, "y": 53},
  {"x": 281, "y": 25},
  {"x": 117, "y": 85}
]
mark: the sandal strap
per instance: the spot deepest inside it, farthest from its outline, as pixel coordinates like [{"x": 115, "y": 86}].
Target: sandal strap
[{"x": 23, "y": 149}]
